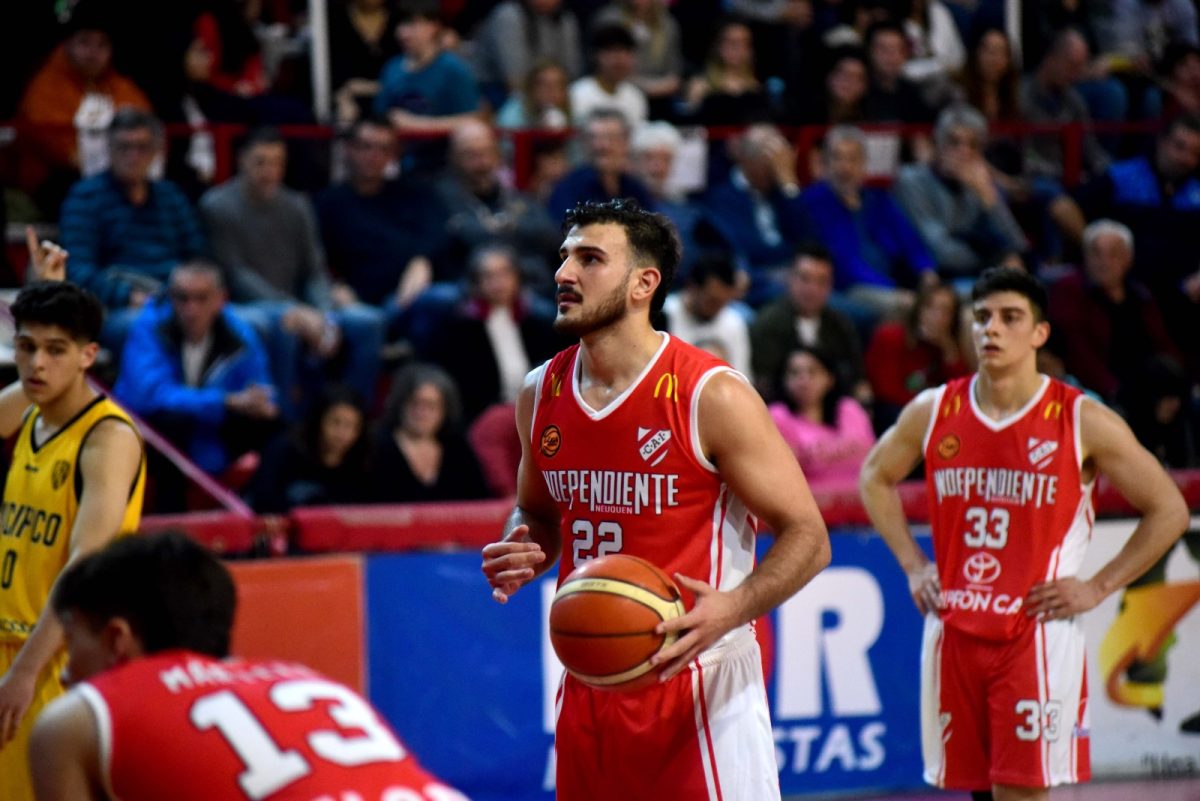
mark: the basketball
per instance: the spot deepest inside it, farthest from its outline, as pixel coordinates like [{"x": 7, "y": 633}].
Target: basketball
[{"x": 603, "y": 617}]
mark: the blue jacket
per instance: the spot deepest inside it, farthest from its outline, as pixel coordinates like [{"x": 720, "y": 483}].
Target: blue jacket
[{"x": 151, "y": 379}]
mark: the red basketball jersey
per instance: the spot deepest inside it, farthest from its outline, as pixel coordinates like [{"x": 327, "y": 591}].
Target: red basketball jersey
[
  {"x": 184, "y": 726},
  {"x": 1008, "y": 505},
  {"x": 631, "y": 477}
]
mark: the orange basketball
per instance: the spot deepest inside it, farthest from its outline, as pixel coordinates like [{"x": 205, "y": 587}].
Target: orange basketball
[{"x": 603, "y": 617}]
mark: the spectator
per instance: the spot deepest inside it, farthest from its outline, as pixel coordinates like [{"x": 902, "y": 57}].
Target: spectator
[
  {"x": 1110, "y": 325},
  {"x": 610, "y": 85},
  {"x": 198, "y": 373},
  {"x": 265, "y": 235},
  {"x": 844, "y": 93},
  {"x": 428, "y": 89},
  {"x": 606, "y": 175},
  {"x": 542, "y": 103},
  {"x": 124, "y": 229},
  {"x": 380, "y": 233},
  {"x": 955, "y": 203},
  {"x": 482, "y": 207},
  {"x": 926, "y": 350},
  {"x": 701, "y": 313},
  {"x": 1180, "y": 70},
  {"x": 782, "y": 29},
  {"x": 321, "y": 461},
  {"x": 1143, "y": 29},
  {"x": 362, "y": 40},
  {"x": 659, "y": 69},
  {"x": 758, "y": 210},
  {"x": 892, "y": 96},
  {"x": 878, "y": 255},
  {"x": 521, "y": 33},
  {"x": 991, "y": 84},
  {"x": 803, "y": 317},
  {"x": 550, "y": 164},
  {"x": 935, "y": 49},
  {"x": 420, "y": 455},
  {"x": 828, "y": 430},
  {"x": 727, "y": 92},
  {"x": 496, "y": 335},
  {"x": 67, "y": 108}
]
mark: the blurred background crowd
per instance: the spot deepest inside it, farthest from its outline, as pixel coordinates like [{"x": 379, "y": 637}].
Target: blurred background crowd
[{"x": 326, "y": 231}]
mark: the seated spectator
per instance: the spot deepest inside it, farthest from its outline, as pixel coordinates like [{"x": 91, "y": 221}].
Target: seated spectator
[
  {"x": 380, "y": 233},
  {"x": 542, "y": 102},
  {"x": 991, "y": 83},
  {"x": 362, "y": 40},
  {"x": 892, "y": 96},
  {"x": 521, "y": 33},
  {"x": 878, "y": 255},
  {"x": 198, "y": 374},
  {"x": 420, "y": 454},
  {"x": 550, "y": 164},
  {"x": 843, "y": 94},
  {"x": 1143, "y": 29},
  {"x": 659, "y": 68},
  {"x": 428, "y": 89},
  {"x": 1180, "y": 71},
  {"x": 482, "y": 207},
  {"x": 701, "y": 311},
  {"x": 727, "y": 92},
  {"x": 1110, "y": 325},
  {"x": 606, "y": 175},
  {"x": 955, "y": 203},
  {"x": 828, "y": 430},
  {"x": 935, "y": 49},
  {"x": 802, "y": 317},
  {"x": 496, "y": 335},
  {"x": 125, "y": 230},
  {"x": 655, "y": 146},
  {"x": 322, "y": 461},
  {"x": 609, "y": 85},
  {"x": 265, "y": 235},
  {"x": 926, "y": 350},
  {"x": 758, "y": 210},
  {"x": 67, "y": 108}
]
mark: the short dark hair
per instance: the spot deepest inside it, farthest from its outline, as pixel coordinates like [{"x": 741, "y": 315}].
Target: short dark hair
[
  {"x": 128, "y": 118},
  {"x": 1012, "y": 279},
  {"x": 419, "y": 9},
  {"x": 883, "y": 26},
  {"x": 68, "y": 306},
  {"x": 812, "y": 250},
  {"x": 266, "y": 135},
  {"x": 652, "y": 237},
  {"x": 1189, "y": 122},
  {"x": 712, "y": 264},
  {"x": 173, "y": 592},
  {"x": 1175, "y": 54},
  {"x": 613, "y": 36}
]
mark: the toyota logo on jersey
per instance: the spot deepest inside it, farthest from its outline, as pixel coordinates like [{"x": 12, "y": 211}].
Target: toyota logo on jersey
[{"x": 981, "y": 568}]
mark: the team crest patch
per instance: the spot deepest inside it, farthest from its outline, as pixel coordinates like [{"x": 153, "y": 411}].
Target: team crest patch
[
  {"x": 948, "y": 447},
  {"x": 58, "y": 475},
  {"x": 551, "y": 441}
]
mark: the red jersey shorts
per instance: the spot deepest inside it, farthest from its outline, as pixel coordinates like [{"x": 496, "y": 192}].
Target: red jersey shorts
[
  {"x": 705, "y": 735},
  {"x": 1010, "y": 712}
]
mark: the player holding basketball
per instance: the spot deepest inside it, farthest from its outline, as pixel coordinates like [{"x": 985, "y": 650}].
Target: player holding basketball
[
  {"x": 76, "y": 481},
  {"x": 634, "y": 442},
  {"x": 1011, "y": 458}
]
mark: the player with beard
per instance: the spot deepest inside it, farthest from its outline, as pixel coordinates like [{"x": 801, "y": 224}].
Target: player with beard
[{"x": 635, "y": 442}]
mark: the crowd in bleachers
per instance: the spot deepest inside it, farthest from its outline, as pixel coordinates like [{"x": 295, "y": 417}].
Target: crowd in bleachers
[{"x": 357, "y": 301}]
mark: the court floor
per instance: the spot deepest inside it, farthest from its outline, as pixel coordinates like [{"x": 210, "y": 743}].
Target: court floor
[{"x": 1153, "y": 790}]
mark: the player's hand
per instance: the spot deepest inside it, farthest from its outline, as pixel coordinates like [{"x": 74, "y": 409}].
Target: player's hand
[
  {"x": 713, "y": 614},
  {"x": 16, "y": 694},
  {"x": 1061, "y": 599},
  {"x": 510, "y": 565},
  {"x": 47, "y": 261},
  {"x": 926, "y": 588}
]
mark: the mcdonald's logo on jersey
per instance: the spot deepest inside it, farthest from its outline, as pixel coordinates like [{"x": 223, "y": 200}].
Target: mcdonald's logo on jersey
[
  {"x": 1052, "y": 411},
  {"x": 556, "y": 384},
  {"x": 671, "y": 382},
  {"x": 952, "y": 406}
]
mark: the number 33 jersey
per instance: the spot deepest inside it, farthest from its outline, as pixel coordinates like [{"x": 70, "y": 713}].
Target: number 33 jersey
[
  {"x": 631, "y": 478},
  {"x": 1008, "y": 505},
  {"x": 188, "y": 727}
]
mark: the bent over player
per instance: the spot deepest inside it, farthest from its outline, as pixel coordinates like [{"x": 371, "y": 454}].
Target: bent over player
[
  {"x": 75, "y": 482},
  {"x": 1011, "y": 459},
  {"x": 630, "y": 407},
  {"x": 161, "y": 713}
]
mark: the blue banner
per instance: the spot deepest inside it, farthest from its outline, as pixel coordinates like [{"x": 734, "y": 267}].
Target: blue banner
[{"x": 469, "y": 683}]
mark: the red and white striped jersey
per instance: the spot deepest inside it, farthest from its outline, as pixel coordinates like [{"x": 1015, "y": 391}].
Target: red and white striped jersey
[{"x": 1008, "y": 505}]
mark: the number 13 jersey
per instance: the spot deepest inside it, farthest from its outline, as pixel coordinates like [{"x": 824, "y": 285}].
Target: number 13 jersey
[
  {"x": 631, "y": 478},
  {"x": 1008, "y": 505}
]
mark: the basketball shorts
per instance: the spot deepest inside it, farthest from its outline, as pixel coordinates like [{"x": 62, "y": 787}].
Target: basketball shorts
[
  {"x": 702, "y": 736},
  {"x": 1004, "y": 712},
  {"x": 15, "y": 781}
]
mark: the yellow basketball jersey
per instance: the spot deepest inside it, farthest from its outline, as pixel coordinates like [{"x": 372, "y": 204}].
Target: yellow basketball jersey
[{"x": 41, "y": 499}]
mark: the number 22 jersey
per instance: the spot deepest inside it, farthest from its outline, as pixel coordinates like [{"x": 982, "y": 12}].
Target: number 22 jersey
[{"x": 1008, "y": 505}]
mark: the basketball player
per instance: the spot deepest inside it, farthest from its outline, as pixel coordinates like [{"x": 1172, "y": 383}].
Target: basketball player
[
  {"x": 635, "y": 442},
  {"x": 163, "y": 713},
  {"x": 1011, "y": 458},
  {"x": 75, "y": 481}
]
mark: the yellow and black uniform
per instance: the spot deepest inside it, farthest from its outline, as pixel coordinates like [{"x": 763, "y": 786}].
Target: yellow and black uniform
[{"x": 41, "y": 501}]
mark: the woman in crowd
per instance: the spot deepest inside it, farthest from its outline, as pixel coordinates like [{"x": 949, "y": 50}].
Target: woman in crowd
[
  {"x": 727, "y": 91},
  {"x": 542, "y": 102},
  {"x": 990, "y": 83}
]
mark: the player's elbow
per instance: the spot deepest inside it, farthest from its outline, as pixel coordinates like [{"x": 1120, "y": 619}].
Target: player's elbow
[{"x": 1177, "y": 515}]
